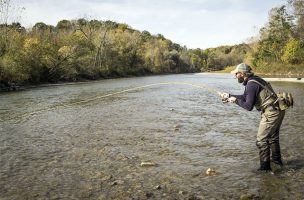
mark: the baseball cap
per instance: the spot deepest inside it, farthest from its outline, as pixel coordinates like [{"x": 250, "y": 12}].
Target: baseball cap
[{"x": 241, "y": 68}]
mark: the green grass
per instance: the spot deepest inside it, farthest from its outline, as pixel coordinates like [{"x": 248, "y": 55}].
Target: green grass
[
  {"x": 278, "y": 69},
  {"x": 284, "y": 70},
  {"x": 226, "y": 70}
]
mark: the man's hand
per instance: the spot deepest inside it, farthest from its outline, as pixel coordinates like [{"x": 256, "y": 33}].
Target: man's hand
[
  {"x": 224, "y": 95},
  {"x": 231, "y": 99}
]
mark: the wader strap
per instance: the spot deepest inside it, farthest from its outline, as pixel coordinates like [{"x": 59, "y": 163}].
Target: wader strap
[
  {"x": 263, "y": 86},
  {"x": 272, "y": 93}
]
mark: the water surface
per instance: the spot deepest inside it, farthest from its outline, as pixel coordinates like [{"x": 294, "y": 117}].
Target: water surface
[{"x": 74, "y": 142}]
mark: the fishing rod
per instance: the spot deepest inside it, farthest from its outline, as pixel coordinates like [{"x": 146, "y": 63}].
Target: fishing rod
[{"x": 201, "y": 86}]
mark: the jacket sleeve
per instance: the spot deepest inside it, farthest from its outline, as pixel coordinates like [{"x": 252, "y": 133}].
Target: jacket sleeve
[{"x": 248, "y": 99}]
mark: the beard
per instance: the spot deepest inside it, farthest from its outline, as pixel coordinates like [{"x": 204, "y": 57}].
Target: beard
[{"x": 241, "y": 80}]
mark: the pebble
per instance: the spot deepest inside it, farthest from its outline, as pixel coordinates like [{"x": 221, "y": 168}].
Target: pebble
[
  {"x": 147, "y": 164},
  {"x": 248, "y": 197},
  {"x": 158, "y": 187},
  {"x": 210, "y": 172},
  {"x": 178, "y": 126},
  {"x": 117, "y": 182},
  {"x": 181, "y": 192},
  {"x": 106, "y": 178}
]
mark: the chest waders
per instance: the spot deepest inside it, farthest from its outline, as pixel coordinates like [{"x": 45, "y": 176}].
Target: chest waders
[{"x": 268, "y": 132}]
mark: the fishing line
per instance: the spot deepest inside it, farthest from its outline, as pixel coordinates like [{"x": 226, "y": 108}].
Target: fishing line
[
  {"x": 201, "y": 86},
  {"x": 146, "y": 86}
]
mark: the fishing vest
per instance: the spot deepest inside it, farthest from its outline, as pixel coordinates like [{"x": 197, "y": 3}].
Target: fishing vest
[{"x": 267, "y": 96}]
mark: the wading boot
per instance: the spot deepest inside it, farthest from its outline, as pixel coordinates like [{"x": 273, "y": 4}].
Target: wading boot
[
  {"x": 264, "y": 166},
  {"x": 265, "y": 160},
  {"x": 276, "y": 154}
]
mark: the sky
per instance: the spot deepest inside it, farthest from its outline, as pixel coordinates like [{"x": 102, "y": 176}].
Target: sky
[{"x": 191, "y": 23}]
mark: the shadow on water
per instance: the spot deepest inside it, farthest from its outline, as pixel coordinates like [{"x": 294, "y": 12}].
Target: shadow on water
[{"x": 295, "y": 164}]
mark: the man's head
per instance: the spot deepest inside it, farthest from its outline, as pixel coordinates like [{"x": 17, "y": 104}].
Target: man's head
[{"x": 242, "y": 72}]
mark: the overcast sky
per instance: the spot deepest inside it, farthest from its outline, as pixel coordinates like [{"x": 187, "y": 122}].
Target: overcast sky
[{"x": 193, "y": 23}]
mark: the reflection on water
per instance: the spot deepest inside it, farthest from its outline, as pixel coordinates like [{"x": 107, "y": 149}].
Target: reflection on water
[{"x": 54, "y": 148}]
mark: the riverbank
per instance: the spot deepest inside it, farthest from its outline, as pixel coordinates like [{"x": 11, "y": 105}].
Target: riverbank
[
  {"x": 8, "y": 87},
  {"x": 287, "y": 72},
  {"x": 15, "y": 87},
  {"x": 267, "y": 77},
  {"x": 295, "y": 80}
]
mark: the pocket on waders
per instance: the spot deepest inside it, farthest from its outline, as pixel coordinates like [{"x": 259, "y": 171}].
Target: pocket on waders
[{"x": 285, "y": 100}]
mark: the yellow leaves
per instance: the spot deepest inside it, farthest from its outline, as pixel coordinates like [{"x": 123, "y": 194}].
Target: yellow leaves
[
  {"x": 292, "y": 52},
  {"x": 163, "y": 43},
  {"x": 65, "y": 51},
  {"x": 123, "y": 27},
  {"x": 30, "y": 43},
  {"x": 79, "y": 35}
]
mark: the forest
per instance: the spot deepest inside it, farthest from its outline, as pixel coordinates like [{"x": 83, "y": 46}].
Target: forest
[{"x": 83, "y": 49}]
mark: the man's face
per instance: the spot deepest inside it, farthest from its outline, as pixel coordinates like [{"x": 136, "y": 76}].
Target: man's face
[{"x": 240, "y": 77}]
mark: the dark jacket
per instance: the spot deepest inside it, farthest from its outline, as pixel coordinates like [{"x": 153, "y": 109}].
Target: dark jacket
[{"x": 250, "y": 96}]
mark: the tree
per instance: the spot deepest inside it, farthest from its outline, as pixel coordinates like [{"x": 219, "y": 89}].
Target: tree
[
  {"x": 64, "y": 25},
  {"x": 43, "y": 31},
  {"x": 11, "y": 35},
  {"x": 9, "y": 13},
  {"x": 293, "y": 52},
  {"x": 297, "y": 10},
  {"x": 274, "y": 36}
]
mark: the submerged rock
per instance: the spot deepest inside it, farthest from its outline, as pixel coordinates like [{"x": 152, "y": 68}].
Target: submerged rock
[
  {"x": 149, "y": 194},
  {"x": 177, "y": 127}
]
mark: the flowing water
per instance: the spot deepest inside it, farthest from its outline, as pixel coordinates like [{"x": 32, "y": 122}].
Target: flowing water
[{"x": 88, "y": 140}]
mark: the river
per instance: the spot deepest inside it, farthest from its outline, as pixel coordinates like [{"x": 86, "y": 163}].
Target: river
[{"x": 88, "y": 141}]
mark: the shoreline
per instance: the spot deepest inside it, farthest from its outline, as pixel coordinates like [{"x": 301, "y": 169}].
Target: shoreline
[
  {"x": 266, "y": 77},
  {"x": 293, "y": 80},
  {"x": 27, "y": 86}
]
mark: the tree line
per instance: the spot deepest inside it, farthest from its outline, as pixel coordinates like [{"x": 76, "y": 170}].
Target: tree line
[
  {"x": 280, "y": 45},
  {"x": 92, "y": 49},
  {"x": 82, "y": 49}
]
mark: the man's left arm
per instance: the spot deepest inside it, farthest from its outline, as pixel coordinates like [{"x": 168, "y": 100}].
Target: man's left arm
[{"x": 248, "y": 99}]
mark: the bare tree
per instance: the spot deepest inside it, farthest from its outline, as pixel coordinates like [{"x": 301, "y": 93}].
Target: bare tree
[{"x": 9, "y": 14}]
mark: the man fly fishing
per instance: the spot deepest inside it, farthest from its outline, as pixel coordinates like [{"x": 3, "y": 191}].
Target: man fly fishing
[{"x": 259, "y": 93}]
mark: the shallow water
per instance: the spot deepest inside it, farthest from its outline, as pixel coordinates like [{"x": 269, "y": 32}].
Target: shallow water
[{"x": 74, "y": 142}]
